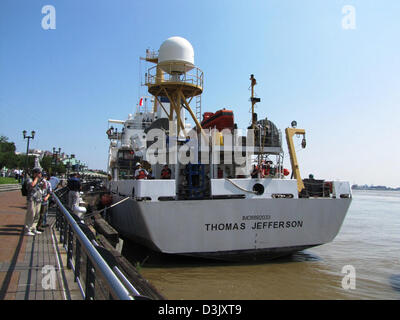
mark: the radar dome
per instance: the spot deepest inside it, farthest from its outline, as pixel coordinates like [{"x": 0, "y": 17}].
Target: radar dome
[{"x": 176, "y": 55}]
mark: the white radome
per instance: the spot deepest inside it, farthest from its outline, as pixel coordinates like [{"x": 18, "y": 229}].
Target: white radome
[{"x": 176, "y": 54}]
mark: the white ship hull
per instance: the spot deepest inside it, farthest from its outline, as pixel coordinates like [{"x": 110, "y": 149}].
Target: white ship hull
[
  {"x": 230, "y": 228},
  {"x": 248, "y": 205}
]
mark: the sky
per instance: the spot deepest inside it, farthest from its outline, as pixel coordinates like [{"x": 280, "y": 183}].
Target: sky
[{"x": 341, "y": 85}]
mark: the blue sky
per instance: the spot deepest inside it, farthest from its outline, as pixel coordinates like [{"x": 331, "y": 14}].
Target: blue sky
[{"x": 342, "y": 86}]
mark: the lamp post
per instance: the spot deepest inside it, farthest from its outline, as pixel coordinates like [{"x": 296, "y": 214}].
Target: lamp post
[
  {"x": 32, "y": 136},
  {"x": 69, "y": 162},
  {"x": 55, "y": 156}
]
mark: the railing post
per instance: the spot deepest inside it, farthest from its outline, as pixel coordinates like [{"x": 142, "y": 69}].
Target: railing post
[
  {"x": 57, "y": 219},
  {"x": 90, "y": 279},
  {"x": 77, "y": 260},
  {"x": 62, "y": 226},
  {"x": 70, "y": 242},
  {"x": 65, "y": 232}
]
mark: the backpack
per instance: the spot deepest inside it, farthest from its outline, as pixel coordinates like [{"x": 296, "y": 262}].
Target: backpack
[{"x": 24, "y": 189}]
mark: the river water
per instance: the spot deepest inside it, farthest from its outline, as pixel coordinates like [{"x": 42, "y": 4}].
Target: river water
[{"x": 368, "y": 242}]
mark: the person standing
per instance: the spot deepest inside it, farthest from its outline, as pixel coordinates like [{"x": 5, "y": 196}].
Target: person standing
[
  {"x": 54, "y": 182},
  {"x": 34, "y": 202},
  {"x": 166, "y": 172},
  {"x": 140, "y": 172},
  {"x": 46, "y": 192},
  {"x": 255, "y": 172},
  {"x": 74, "y": 185}
]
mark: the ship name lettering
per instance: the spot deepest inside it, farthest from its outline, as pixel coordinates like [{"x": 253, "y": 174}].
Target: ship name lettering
[
  {"x": 225, "y": 226},
  {"x": 277, "y": 224}
]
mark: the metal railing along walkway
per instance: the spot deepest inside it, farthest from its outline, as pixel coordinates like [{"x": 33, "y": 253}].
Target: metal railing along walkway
[
  {"x": 97, "y": 278},
  {"x": 10, "y": 187}
]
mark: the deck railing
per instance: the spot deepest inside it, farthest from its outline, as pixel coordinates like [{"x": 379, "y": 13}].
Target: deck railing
[
  {"x": 194, "y": 76},
  {"x": 95, "y": 269}
]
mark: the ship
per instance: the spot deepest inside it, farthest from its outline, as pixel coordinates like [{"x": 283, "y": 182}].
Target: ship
[{"x": 227, "y": 195}]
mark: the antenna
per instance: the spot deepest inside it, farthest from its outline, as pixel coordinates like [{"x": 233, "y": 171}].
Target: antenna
[{"x": 176, "y": 78}]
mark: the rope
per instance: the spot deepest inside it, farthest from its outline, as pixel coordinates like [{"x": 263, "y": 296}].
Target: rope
[
  {"x": 239, "y": 187},
  {"x": 113, "y": 205}
]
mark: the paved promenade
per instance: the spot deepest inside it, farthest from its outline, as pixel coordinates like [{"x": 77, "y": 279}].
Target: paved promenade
[{"x": 31, "y": 267}]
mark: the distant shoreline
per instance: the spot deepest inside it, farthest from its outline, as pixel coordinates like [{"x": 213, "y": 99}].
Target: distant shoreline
[{"x": 374, "y": 188}]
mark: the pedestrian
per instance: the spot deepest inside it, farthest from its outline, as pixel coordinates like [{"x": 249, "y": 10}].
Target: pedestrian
[
  {"x": 34, "y": 202},
  {"x": 267, "y": 168},
  {"x": 140, "y": 172},
  {"x": 166, "y": 172},
  {"x": 150, "y": 176},
  {"x": 54, "y": 182},
  {"x": 46, "y": 192},
  {"x": 220, "y": 173},
  {"x": 74, "y": 186},
  {"x": 254, "y": 173}
]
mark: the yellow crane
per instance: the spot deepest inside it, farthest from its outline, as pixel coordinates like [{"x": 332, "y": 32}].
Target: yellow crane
[{"x": 290, "y": 132}]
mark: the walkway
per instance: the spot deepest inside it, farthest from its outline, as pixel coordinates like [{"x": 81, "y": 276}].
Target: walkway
[{"x": 31, "y": 267}]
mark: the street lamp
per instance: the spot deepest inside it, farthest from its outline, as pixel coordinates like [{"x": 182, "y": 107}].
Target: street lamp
[
  {"x": 69, "y": 162},
  {"x": 55, "y": 156},
  {"x": 32, "y": 136}
]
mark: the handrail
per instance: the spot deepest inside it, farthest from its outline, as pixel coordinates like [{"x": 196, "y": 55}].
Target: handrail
[
  {"x": 10, "y": 187},
  {"x": 117, "y": 289},
  {"x": 193, "y": 76}
]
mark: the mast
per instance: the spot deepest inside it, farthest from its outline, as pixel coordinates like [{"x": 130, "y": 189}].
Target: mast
[{"x": 253, "y": 100}]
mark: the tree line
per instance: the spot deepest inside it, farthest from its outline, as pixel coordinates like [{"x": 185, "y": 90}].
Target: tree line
[{"x": 11, "y": 160}]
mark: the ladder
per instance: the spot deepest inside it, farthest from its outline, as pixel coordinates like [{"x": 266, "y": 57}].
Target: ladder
[{"x": 198, "y": 108}]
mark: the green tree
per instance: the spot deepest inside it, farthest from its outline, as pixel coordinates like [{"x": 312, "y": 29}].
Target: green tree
[
  {"x": 6, "y": 146},
  {"x": 7, "y": 153},
  {"x": 48, "y": 164}
]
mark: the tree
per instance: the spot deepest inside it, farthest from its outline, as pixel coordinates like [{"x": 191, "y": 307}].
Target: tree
[
  {"x": 48, "y": 164},
  {"x": 6, "y": 146},
  {"x": 8, "y": 158}
]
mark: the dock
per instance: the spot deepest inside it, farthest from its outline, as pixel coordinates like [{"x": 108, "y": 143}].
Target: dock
[
  {"x": 42, "y": 267},
  {"x": 26, "y": 260}
]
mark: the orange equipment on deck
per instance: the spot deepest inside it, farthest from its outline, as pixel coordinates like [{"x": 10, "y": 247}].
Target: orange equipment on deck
[{"x": 222, "y": 119}]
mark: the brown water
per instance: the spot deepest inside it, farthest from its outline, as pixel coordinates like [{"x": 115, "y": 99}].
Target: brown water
[{"x": 369, "y": 240}]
